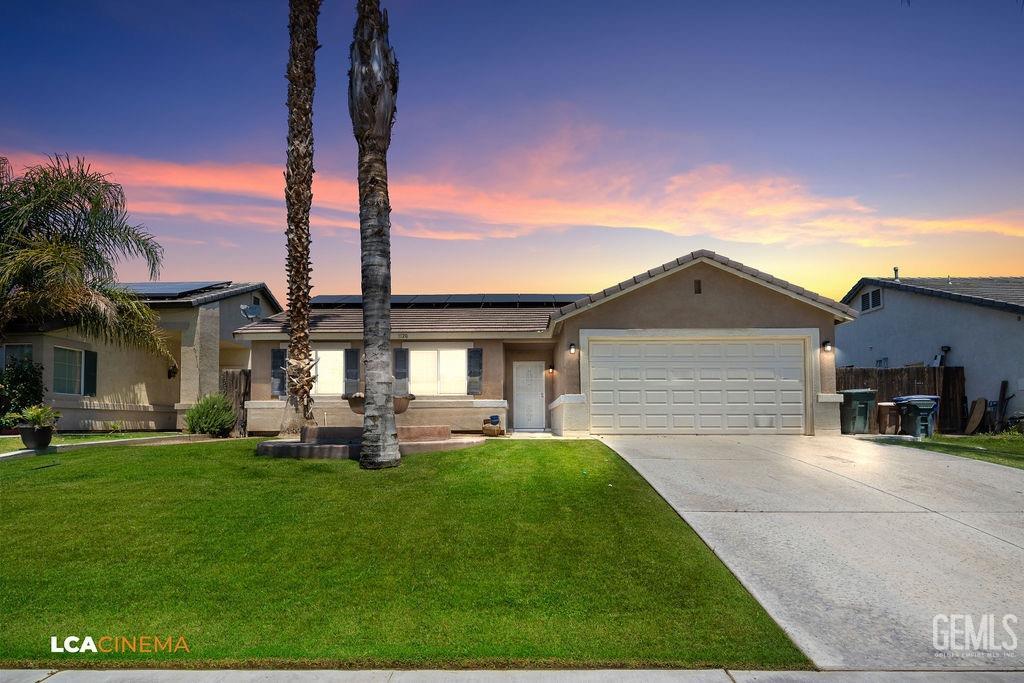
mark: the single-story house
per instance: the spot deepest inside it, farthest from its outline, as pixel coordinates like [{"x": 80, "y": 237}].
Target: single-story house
[
  {"x": 699, "y": 345},
  {"x": 975, "y": 322},
  {"x": 95, "y": 385}
]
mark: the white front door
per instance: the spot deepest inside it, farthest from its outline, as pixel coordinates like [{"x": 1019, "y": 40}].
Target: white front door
[{"x": 528, "y": 394}]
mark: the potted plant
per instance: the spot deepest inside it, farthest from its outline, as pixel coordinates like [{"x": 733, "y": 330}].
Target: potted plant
[{"x": 35, "y": 425}]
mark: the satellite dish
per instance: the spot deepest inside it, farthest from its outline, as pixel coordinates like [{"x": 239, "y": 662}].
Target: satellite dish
[{"x": 251, "y": 311}]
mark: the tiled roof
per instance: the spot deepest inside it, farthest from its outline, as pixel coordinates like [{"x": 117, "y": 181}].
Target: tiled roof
[
  {"x": 406, "y": 320},
  {"x": 451, "y": 300},
  {"x": 168, "y": 294},
  {"x": 1006, "y": 293},
  {"x": 842, "y": 311}
]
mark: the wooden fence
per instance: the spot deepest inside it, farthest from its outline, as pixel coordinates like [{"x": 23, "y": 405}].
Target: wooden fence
[
  {"x": 945, "y": 382},
  {"x": 236, "y": 384}
]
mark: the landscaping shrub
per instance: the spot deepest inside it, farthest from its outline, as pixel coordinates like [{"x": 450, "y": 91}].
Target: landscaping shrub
[
  {"x": 212, "y": 415},
  {"x": 21, "y": 386},
  {"x": 35, "y": 416}
]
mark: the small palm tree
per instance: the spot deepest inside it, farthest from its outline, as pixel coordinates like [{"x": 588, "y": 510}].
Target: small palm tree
[
  {"x": 298, "y": 194},
  {"x": 64, "y": 229},
  {"x": 372, "y": 89}
]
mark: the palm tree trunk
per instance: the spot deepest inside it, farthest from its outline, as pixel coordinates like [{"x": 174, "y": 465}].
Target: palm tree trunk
[
  {"x": 373, "y": 86},
  {"x": 298, "y": 193}
]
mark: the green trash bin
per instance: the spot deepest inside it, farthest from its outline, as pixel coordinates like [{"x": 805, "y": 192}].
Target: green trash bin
[
  {"x": 855, "y": 412},
  {"x": 917, "y": 414}
]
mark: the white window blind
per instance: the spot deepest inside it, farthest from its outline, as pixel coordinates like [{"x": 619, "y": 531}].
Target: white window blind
[
  {"x": 437, "y": 371},
  {"x": 330, "y": 371}
]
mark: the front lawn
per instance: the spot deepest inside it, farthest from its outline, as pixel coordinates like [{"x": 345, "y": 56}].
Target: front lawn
[
  {"x": 9, "y": 444},
  {"x": 1002, "y": 449},
  {"x": 514, "y": 553}
]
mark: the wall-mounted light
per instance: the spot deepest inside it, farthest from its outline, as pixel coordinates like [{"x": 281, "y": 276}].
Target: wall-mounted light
[
  {"x": 572, "y": 349},
  {"x": 827, "y": 345},
  {"x": 551, "y": 369}
]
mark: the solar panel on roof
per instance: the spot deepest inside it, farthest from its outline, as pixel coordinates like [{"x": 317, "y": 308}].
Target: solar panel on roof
[
  {"x": 536, "y": 298},
  {"x": 501, "y": 298},
  {"x": 171, "y": 289},
  {"x": 455, "y": 299}
]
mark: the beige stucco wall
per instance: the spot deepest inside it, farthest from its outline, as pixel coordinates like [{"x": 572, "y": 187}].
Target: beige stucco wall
[
  {"x": 727, "y": 301},
  {"x": 463, "y": 414},
  {"x": 132, "y": 387}
]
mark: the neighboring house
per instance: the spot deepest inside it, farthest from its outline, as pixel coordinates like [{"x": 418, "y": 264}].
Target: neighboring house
[
  {"x": 907, "y": 321},
  {"x": 95, "y": 385},
  {"x": 699, "y": 345}
]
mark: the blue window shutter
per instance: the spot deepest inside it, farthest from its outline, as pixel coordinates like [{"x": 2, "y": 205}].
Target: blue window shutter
[
  {"x": 475, "y": 372},
  {"x": 278, "y": 381},
  {"x": 400, "y": 362},
  {"x": 89, "y": 385},
  {"x": 352, "y": 370}
]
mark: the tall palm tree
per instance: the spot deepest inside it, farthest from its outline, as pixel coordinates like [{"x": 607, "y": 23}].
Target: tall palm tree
[
  {"x": 298, "y": 194},
  {"x": 64, "y": 229},
  {"x": 372, "y": 89}
]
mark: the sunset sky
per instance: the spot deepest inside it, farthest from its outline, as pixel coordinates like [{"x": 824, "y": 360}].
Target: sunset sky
[{"x": 551, "y": 145}]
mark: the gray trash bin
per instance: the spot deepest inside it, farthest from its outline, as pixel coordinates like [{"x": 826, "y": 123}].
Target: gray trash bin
[
  {"x": 855, "y": 412},
  {"x": 917, "y": 414}
]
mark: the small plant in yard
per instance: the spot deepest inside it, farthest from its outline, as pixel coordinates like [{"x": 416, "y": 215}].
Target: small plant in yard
[
  {"x": 212, "y": 415},
  {"x": 21, "y": 386},
  {"x": 35, "y": 424}
]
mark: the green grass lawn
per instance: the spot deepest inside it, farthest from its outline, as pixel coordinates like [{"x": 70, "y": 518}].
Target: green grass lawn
[
  {"x": 13, "y": 443},
  {"x": 1002, "y": 449},
  {"x": 514, "y": 553}
]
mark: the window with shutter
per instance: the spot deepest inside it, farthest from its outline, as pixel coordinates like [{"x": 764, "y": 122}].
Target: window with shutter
[
  {"x": 352, "y": 365},
  {"x": 67, "y": 370},
  {"x": 89, "y": 374},
  {"x": 474, "y": 371},
  {"x": 278, "y": 381},
  {"x": 400, "y": 362},
  {"x": 869, "y": 301}
]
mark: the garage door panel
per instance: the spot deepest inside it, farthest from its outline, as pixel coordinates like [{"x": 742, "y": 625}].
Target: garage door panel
[{"x": 697, "y": 387}]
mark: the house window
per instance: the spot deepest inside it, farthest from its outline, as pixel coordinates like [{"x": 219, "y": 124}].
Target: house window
[
  {"x": 438, "y": 371},
  {"x": 330, "y": 370},
  {"x": 16, "y": 352},
  {"x": 278, "y": 383},
  {"x": 869, "y": 301},
  {"x": 67, "y": 370},
  {"x": 697, "y": 287},
  {"x": 255, "y": 301}
]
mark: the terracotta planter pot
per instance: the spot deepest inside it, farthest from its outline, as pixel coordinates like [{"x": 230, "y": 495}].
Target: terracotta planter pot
[
  {"x": 36, "y": 438},
  {"x": 356, "y": 402}
]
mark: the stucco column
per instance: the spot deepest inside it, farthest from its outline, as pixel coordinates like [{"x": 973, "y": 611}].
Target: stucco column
[{"x": 200, "y": 358}]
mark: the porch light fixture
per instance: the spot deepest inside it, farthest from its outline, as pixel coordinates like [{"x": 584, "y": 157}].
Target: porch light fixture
[
  {"x": 827, "y": 345},
  {"x": 551, "y": 369},
  {"x": 572, "y": 349}
]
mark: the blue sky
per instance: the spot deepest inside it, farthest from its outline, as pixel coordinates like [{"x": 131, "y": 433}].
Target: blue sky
[{"x": 579, "y": 141}]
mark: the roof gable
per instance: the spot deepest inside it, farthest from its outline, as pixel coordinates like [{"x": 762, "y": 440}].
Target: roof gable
[
  {"x": 841, "y": 312},
  {"x": 1003, "y": 293}
]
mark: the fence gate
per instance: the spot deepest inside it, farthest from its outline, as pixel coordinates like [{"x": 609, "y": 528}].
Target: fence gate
[{"x": 235, "y": 384}]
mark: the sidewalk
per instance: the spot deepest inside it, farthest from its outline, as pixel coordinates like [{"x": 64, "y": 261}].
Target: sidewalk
[{"x": 605, "y": 676}]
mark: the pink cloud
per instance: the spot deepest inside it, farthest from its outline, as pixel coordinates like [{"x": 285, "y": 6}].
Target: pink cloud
[{"x": 563, "y": 181}]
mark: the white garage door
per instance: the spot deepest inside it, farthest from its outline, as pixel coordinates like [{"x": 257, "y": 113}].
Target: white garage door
[{"x": 697, "y": 387}]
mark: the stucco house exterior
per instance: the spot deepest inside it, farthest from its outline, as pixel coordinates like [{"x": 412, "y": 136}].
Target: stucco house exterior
[
  {"x": 95, "y": 385},
  {"x": 699, "y": 345},
  {"x": 976, "y": 322}
]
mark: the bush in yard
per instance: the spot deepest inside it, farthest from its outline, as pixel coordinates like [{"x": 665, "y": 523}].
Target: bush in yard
[
  {"x": 212, "y": 415},
  {"x": 21, "y": 386},
  {"x": 35, "y": 416}
]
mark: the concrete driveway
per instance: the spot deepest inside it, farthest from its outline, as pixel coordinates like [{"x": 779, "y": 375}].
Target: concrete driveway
[{"x": 854, "y": 547}]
